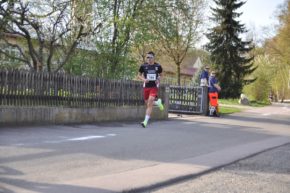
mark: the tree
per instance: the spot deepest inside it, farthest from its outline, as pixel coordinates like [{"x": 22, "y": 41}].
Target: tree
[
  {"x": 279, "y": 48},
  {"x": 265, "y": 74},
  {"x": 114, "y": 47},
  {"x": 230, "y": 55},
  {"x": 48, "y": 31},
  {"x": 176, "y": 24}
]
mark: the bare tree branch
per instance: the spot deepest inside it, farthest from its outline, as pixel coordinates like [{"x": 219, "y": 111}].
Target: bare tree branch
[
  {"x": 47, "y": 27},
  {"x": 24, "y": 57}
]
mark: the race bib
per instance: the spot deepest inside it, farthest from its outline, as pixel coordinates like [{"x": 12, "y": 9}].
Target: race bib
[{"x": 151, "y": 77}]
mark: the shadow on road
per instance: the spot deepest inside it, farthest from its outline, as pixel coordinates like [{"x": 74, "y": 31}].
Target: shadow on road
[
  {"x": 251, "y": 117},
  {"x": 45, "y": 187}
]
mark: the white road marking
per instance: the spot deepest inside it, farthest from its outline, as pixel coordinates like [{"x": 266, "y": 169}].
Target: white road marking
[
  {"x": 86, "y": 138},
  {"x": 111, "y": 135},
  {"x": 65, "y": 139}
]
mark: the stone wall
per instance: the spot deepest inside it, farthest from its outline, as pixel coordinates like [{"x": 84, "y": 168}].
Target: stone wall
[{"x": 58, "y": 115}]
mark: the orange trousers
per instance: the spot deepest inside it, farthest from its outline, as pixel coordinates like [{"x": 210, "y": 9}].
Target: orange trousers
[{"x": 213, "y": 99}]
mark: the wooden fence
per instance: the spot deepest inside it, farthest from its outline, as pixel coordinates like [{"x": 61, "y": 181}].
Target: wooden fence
[{"x": 22, "y": 88}]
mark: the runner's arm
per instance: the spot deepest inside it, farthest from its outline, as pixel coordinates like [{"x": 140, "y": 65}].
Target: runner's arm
[{"x": 141, "y": 77}]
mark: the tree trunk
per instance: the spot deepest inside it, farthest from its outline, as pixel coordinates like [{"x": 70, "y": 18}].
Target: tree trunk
[{"x": 178, "y": 74}]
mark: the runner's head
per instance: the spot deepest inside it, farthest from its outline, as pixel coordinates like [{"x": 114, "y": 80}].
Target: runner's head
[{"x": 150, "y": 57}]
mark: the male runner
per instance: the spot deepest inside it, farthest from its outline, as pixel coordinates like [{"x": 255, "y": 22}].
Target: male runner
[{"x": 150, "y": 74}]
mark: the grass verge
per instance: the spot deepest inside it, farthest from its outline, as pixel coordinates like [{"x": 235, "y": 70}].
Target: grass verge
[
  {"x": 253, "y": 103},
  {"x": 236, "y": 107},
  {"x": 229, "y": 101},
  {"x": 228, "y": 110},
  {"x": 259, "y": 103}
]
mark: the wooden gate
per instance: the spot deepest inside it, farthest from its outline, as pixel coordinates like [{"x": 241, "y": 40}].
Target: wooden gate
[{"x": 188, "y": 100}]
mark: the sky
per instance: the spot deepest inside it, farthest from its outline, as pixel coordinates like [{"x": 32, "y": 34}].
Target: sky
[{"x": 259, "y": 13}]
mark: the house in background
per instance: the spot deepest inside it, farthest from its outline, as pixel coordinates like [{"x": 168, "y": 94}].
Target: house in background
[
  {"x": 6, "y": 61},
  {"x": 189, "y": 69}
]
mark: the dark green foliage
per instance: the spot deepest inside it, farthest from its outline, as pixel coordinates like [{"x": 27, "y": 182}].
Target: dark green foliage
[
  {"x": 91, "y": 63},
  {"x": 230, "y": 54}
]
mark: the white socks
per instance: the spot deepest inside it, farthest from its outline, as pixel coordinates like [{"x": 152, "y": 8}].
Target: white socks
[{"x": 147, "y": 117}]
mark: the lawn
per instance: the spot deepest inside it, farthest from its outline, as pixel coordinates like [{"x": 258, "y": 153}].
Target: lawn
[
  {"x": 253, "y": 103},
  {"x": 233, "y": 106},
  {"x": 229, "y": 110}
]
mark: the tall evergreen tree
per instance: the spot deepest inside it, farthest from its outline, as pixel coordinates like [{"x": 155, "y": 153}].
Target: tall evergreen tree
[{"x": 229, "y": 53}]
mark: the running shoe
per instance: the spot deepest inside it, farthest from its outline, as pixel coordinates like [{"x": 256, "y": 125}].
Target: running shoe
[
  {"x": 160, "y": 105},
  {"x": 144, "y": 124}
]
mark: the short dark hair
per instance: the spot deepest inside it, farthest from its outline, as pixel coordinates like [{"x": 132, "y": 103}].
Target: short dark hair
[{"x": 151, "y": 53}]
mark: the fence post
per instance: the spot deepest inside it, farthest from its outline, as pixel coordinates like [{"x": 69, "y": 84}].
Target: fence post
[
  {"x": 204, "y": 100},
  {"x": 166, "y": 97}
]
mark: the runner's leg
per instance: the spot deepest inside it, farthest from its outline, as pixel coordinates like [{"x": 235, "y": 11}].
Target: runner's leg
[{"x": 150, "y": 102}]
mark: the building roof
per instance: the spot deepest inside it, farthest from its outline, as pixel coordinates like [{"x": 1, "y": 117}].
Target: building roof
[
  {"x": 189, "y": 71},
  {"x": 187, "y": 67}
]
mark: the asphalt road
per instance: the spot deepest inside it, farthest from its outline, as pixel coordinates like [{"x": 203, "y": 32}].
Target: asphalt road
[
  {"x": 267, "y": 172},
  {"x": 118, "y": 157}
]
